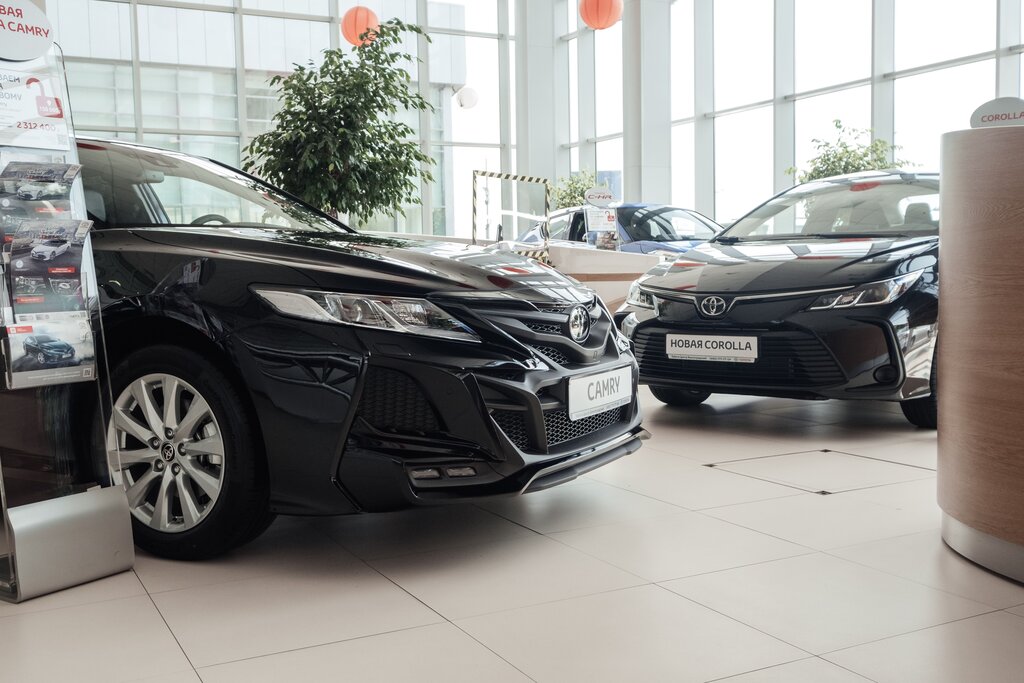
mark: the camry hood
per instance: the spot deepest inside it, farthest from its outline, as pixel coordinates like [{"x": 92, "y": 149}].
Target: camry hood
[
  {"x": 783, "y": 265},
  {"x": 382, "y": 265},
  {"x": 55, "y": 346}
]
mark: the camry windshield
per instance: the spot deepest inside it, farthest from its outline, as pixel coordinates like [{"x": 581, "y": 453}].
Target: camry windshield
[
  {"x": 875, "y": 206},
  {"x": 129, "y": 187}
]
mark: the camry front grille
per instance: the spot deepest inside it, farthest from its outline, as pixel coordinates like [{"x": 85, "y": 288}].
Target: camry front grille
[
  {"x": 554, "y": 354},
  {"x": 545, "y": 328},
  {"x": 558, "y": 428}
]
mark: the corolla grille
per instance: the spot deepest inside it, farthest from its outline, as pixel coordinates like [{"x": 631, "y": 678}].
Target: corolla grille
[
  {"x": 393, "y": 402},
  {"x": 791, "y": 359}
]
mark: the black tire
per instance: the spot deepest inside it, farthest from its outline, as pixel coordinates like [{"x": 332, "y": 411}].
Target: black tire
[
  {"x": 924, "y": 412},
  {"x": 680, "y": 397},
  {"x": 241, "y": 510}
]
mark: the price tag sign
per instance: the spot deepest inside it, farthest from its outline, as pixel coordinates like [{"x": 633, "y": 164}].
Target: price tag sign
[{"x": 31, "y": 111}]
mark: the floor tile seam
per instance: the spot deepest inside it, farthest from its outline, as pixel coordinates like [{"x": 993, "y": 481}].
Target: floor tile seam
[
  {"x": 538, "y": 536},
  {"x": 826, "y": 654},
  {"x": 877, "y": 459},
  {"x": 819, "y": 491},
  {"x": 315, "y": 646},
  {"x": 736, "y": 620},
  {"x": 493, "y": 652},
  {"x": 802, "y": 659},
  {"x": 769, "y": 455},
  {"x": 45, "y": 610},
  {"x": 582, "y": 596},
  {"x": 832, "y": 552},
  {"x": 253, "y": 577},
  {"x": 845, "y": 647},
  {"x": 715, "y": 466},
  {"x": 756, "y": 531},
  {"x": 173, "y": 634},
  {"x": 739, "y": 566},
  {"x": 595, "y": 557}
]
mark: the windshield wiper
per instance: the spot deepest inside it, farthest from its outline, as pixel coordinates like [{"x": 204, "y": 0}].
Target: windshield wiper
[
  {"x": 725, "y": 239},
  {"x": 845, "y": 235}
]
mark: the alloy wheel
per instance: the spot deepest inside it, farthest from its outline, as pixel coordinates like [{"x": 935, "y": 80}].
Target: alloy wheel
[{"x": 167, "y": 450}]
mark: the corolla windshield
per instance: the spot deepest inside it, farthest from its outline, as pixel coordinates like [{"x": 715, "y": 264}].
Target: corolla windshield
[
  {"x": 905, "y": 205},
  {"x": 661, "y": 224},
  {"x": 182, "y": 190},
  {"x": 44, "y": 339}
]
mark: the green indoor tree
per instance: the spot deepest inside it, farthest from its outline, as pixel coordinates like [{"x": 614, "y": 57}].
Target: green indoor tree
[
  {"x": 570, "y": 191},
  {"x": 848, "y": 154},
  {"x": 335, "y": 141}
]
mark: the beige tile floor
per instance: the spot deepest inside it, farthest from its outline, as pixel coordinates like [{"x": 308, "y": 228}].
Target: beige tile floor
[{"x": 708, "y": 555}]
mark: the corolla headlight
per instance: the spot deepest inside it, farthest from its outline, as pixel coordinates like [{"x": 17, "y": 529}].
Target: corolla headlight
[
  {"x": 872, "y": 294},
  {"x": 638, "y": 297},
  {"x": 398, "y": 314}
]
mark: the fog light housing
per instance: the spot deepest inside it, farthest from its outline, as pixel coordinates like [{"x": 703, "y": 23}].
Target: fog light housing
[
  {"x": 460, "y": 471},
  {"x": 887, "y": 374},
  {"x": 425, "y": 473}
]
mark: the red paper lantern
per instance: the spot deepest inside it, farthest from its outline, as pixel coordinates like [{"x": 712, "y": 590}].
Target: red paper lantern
[
  {"x": 358, "y": 21},
  {"x": 600, "y": 14}
]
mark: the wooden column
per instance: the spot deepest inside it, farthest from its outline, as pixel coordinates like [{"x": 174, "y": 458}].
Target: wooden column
[{"x": 981, "y": 347}]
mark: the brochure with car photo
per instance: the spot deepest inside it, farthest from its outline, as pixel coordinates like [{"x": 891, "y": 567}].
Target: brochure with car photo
[
  {"x": 37, "y": 181},
  {"x": 49, "y": 337}
]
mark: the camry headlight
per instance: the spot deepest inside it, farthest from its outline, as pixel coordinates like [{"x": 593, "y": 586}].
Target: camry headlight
[
  {"x": 872, "y": 294},
  {"x": 412, "y": 316},
  {"x": 638, "y": 297}
]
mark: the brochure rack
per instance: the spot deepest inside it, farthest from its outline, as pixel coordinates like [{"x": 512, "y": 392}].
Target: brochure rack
[{"x": 63, "y": 524}]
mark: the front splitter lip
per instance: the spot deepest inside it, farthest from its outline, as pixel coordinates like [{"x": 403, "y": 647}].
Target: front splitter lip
[{"x": 591, "y": 456}]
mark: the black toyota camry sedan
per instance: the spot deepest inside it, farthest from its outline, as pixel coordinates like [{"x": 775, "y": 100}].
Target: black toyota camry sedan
[
  {"x": 828, "y": 290},
  {"x": 264, "y": 358}
]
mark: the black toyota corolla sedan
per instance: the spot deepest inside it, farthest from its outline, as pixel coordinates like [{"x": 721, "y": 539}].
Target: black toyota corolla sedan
[
  {"x": 828, "y": 290},
  {"x": 264, "y": 358}
]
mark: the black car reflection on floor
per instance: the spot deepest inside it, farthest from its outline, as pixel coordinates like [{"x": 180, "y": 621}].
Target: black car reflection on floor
[
  {"x": 266, "y": 359},
  {"x": 828, "y": 290}
]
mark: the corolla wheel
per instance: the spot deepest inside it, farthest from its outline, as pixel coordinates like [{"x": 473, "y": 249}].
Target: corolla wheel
[
  {"x": 171, "y": 452},
  {"x": 182, "y": 442},
  {"x": 41, "y": 358}
]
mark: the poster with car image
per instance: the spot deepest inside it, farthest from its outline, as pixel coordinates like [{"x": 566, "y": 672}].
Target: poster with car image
[
  {"x": 49, "y": 335},
  {"x": 35, "y": 181}
]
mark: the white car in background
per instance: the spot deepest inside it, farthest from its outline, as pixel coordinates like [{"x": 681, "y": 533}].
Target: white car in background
[
  {"x": 38, "y": 190},
  {"x": 50, "y": 249}
]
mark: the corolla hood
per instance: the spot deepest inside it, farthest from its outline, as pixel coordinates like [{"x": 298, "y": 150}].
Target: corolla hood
[
  {"x": 400, "y": 267},
  {"x": 55, "y": 346},
  {"x": 777, "y": 265}
]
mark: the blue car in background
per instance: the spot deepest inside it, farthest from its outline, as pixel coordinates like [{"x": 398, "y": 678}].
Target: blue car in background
[{"x": 642, "y": 228}]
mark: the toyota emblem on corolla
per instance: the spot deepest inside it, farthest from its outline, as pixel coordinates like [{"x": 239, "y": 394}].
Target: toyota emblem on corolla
[
  {"x": 579, "y": 324},
  {"x": 713, "y": 306}
]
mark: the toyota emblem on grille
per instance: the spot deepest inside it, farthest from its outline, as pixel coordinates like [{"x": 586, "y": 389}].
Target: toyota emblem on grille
[
  {"x": 579, "y": 324},
  {"x": 713, "y": 306}
]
